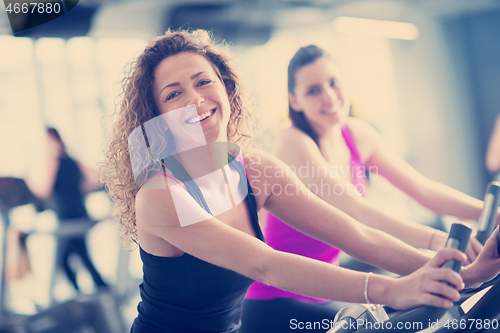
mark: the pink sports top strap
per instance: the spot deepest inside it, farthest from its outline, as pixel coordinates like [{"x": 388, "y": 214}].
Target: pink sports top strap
[{"x": 164, "y": 174}]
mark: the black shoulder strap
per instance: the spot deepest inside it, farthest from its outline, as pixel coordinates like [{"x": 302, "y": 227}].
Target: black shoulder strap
[
  {"x": 252, "y": 204},
  {"x": 180, "y": 173}
]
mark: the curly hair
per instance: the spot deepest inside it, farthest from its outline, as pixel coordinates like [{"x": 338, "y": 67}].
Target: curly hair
[{"x": 137, "y": 106}]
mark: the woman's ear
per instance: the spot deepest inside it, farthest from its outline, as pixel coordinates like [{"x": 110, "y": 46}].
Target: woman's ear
[{"x": 292, "y": 100}]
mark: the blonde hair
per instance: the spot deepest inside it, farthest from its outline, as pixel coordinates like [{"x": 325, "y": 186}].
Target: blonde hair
[{"x": 137, "y": 106}]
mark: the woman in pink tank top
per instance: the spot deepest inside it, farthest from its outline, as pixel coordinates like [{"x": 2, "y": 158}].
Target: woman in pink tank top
[{"x": 330, "y": 152}]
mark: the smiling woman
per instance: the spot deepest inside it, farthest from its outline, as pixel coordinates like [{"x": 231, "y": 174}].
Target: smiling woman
[
  {"x": 189, "y": 79},
  {"x": 139, "y": 106},
  {"x": 182, "y": 116}
]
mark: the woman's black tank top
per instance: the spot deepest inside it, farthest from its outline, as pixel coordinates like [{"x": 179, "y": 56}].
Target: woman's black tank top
[{"x": 187, "y": 294}]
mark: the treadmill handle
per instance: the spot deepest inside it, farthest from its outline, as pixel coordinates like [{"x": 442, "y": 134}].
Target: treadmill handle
[{"x": 487, "y": 220}]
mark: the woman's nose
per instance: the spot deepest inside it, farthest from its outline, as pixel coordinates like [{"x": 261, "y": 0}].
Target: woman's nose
[
  {"x": 194, "y": 98},
  {"x": 331, "y": 96}
]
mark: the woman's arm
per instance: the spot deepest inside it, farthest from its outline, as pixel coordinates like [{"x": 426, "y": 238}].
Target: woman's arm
[
  {"x": 435, "y": 196},
  {"x": 215, "y": 242},
  {"x": 342, "y": 194},
  {"x": 297, "y": 206},
  {"x": 311, "y": 215}
]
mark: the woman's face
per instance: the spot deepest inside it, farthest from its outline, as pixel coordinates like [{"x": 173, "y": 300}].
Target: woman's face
[
  {"x": 320, "y": 93},
  {"x": 191, "y": 98}
]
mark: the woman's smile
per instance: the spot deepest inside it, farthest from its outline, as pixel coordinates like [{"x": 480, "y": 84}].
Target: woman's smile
[
  {"x": 331, "y": 112},
  {"x": 201, "y": 117}
]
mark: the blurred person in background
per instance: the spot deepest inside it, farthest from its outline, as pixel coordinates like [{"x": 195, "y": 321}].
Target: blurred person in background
[
  {"x": 64, "y": 182},
  {"x": 336, "y": 150}
]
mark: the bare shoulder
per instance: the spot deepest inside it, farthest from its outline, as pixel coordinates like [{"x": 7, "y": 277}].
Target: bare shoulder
[
  {"x": 366, "y": 136},
  {"x": 155, "y": 204},
  {"x": 361, "y": 129},
  {"x": 155, "y": 219},
  {"x": 155, "y": 182},
  {"x": 292, "y": 134},
  {"x": 260, "y": 161},
  {"x": 292, "y": 137},
  {"x": 264, "y": 171}
]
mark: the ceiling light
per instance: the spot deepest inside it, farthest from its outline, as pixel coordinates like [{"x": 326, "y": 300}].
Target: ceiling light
[{"x": 377, "y": 28}]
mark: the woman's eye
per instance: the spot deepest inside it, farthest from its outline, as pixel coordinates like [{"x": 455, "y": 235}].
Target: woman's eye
[
  {"x": 204, "y": 82},
  {"x": 313, "y": 91},
  {"x": 333, "y": 83},
  {"x": 172, "y": 95}
]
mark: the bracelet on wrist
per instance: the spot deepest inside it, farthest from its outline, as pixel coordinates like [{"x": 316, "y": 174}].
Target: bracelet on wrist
[{"x": 366, "y": 287}]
